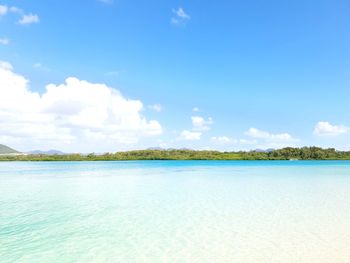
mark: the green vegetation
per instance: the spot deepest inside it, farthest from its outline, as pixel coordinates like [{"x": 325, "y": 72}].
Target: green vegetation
[
  {"x": 6, "y": 150},
  {"x": 305, "y": 153}
]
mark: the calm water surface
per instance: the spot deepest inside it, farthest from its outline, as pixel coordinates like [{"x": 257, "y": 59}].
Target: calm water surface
[{"x": 175, "y": 211}]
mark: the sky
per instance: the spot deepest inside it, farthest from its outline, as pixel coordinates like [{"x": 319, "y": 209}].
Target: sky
[{"x": 115, "y": 75}]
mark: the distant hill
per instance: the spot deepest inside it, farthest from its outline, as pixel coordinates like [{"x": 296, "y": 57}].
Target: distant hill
[
  {"x": 155, "y": 148},
  {"x": 49, "y": 152},
  {"x": 264, "y": 150},
  {"x": 7, "y": 150}
]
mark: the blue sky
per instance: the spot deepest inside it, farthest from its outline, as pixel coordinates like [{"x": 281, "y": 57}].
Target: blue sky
[{"x": 262, "y": 74}]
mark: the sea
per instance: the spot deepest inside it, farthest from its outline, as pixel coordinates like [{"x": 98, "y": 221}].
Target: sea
[{"x": 175, "y": 211}]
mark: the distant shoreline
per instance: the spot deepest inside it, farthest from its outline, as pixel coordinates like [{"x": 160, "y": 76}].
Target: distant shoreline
[{"x": 291, "y": 154}]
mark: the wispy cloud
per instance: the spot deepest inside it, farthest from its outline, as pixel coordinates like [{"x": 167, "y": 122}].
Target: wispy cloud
[
  {"x": 40, "y": 66},
  {"x": 115, "y": 73},
  {"x": 190, "y": 135},
  {"x": 180, "y": 17},
  {"x": 4, "y": 41},
  {"x": 155, "y": 107},
  {"x": 324, "y": 128},
  {"x": 25, "y": 18},
  {"x": 3, "y": 10},
  {"x": 247, "y": 142},
  {"x": 16, "y": 10},
  {"x": 221, "y": 139},
  {"x": 259, "y": 134},
  {"x": 106, "y": 1},
  {"x": 29, "y": 19},
  {"x": 271, "y": 140}
]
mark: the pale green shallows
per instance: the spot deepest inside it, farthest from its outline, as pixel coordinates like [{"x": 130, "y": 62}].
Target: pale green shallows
[{"x": 175, "y": 211}]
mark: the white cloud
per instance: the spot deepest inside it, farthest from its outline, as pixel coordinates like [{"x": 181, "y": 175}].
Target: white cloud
[
  {"x": 324, "y": 128},
  {"x": 76, "y": 115},
  {"x": 29, "y": 19},
  {"x": 5, "y": 65},
  {"x": 221, "y": 139},
  {"x": 180, "y": 17},
  {"x": 259, "y": 134},
  {"x": 155, "y": 107},
  {"x": 4, "y": 41},
  {"x": 3, "y": 10},
  {"x": 190, "y": 135},
  {"x": 264, "y": 139},
  {"x": 25, "y": 18},
  {"x": 200, "y": 124}
]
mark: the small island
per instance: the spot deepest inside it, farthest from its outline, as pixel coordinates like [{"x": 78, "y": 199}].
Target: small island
[{"x": 288, "y": 153}]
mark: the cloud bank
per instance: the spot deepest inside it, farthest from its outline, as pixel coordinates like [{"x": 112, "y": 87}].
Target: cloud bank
[{"x": 76, "y": 115}]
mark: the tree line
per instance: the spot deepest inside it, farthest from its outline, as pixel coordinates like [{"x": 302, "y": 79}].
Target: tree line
[{"x": 289, "y": 153}]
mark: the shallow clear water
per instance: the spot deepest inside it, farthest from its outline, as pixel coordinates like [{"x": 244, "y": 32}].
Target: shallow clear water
[{"x": 175, "y": 211}]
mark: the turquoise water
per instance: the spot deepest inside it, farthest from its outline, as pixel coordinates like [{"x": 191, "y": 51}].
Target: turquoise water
[{"x": 175, "y": 211}]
